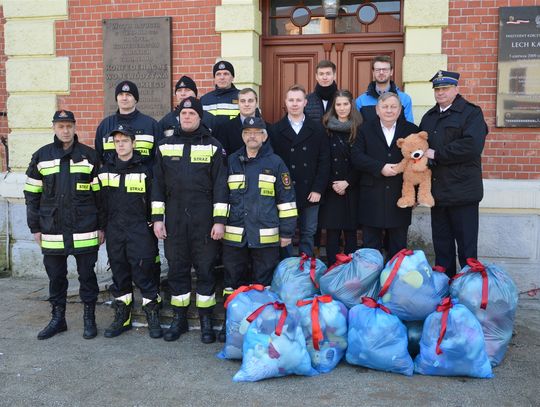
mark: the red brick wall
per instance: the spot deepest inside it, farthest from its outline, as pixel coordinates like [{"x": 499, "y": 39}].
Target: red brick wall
[
  {"x": 194, "y": 42},
  {"x": 471, "y": 41},
  {"x": 3, "y": 93}
]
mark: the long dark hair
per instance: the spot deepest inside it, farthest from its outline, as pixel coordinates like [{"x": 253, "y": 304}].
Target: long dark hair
[{"x": 354, "y": 116}]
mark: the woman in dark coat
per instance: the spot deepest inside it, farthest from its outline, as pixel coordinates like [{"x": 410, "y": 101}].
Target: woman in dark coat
[{"x": 339, "y": 211}]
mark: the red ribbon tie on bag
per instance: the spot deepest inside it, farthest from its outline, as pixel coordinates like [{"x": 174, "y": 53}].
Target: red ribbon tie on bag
[
  {"x": 317, "y": 335},
  {"x": 278, "y": 306},
  {"x": 371, "y": 303},
  {"x": 444, "y": 307},
  {"x": 312, "y": 267},
  {"x": 400, "y": 256},
  {"x": 243, "y": 289},
  {"x": 476, "y": 267},
  {"x": 340, "y": 259}
]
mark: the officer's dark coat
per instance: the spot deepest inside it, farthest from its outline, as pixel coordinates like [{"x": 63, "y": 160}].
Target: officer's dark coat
[
  {"x": 306, "y": 155},
  {"x": 170, "y": 123},
  {"x": 379, "y": 194},
  {"x": 457, "y": 136}
]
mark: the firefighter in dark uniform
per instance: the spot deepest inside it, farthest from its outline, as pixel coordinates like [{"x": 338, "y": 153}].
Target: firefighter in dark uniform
[
  {"x": 262, "y": 214},
  {"x": 131, "y": 245},
  {"x": 457, "y": 133},
  {"x": 190, "y": 191},
  {"x": 62, "y": 204}
]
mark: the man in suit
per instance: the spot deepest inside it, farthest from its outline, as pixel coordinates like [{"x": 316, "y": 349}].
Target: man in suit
[
  {"x": 375, "y": 154},
  {"x": 303, "y": 145}
]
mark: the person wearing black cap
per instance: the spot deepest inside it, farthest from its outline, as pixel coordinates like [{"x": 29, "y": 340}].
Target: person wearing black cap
[
  {"x": 190, "y": 191},
  {"x": 457, "y": 133},
  {"x": 62, "y": 207},
  {"x": 146, "y": 129},
  {"x": 262, "y": 214},
  {"x": 222, "y": 102},
  {"x": 131, "y": 245}
]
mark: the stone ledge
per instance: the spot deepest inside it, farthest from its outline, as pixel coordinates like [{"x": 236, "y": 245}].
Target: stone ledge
[
  {"x": 30, "y": 37},
  {"x": 35, "y": 8}
]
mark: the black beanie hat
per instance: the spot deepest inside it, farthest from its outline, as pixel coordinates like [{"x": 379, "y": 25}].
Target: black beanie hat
[
  {"x": 191, "y": 103},
  {"x": 223, "y": 66},
  {"x": 186, "y": 82},
  {"x": 127, "y": 86}
]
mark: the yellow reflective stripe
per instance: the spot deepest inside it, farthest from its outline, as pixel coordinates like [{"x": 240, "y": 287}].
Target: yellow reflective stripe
[
  {"x": 233, "y": 233},
  {"x": 126, "y": 299},
  {"x": 49, "y": 167},
  {"x": 109, "y": 179},
  {"x": 108, "y": 143},
  {"x": 135, "y": 182},
  {"x": 202, "y": 153},
  {"x": 158, "y": 208},
  {"x": 95, "y": 184},
  {"x": 52, "y": 241},
  {"x": 236, "y": 181},
  {"x": 287, "y": 209},
  {"x": 172, "y": 150},
  {"x": 33, "y": 185},
  {"x": 217, "y": 106},
  {"x": 180, "y": 300},
  {"x": 82, "y": 186},
  {"x": 157, "y": 259},
  {"x": 221, "y": 209},
  {"x": 88, "y": 239},
  {"x": 205, "y": 301},
  {"x": 266, "y": 184},
  {"x": 270, "y": 235},
  {"x": 81, "y": 167},
  {"x": 228, "y": 291},
  {"x": 144, "y": 144},
  {"x": 225, "y": 112}
]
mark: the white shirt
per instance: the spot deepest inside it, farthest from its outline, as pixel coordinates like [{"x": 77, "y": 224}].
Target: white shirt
[
  {"x": 441, "y": 110},
  {"x": 389, "y": 133},
  {"x": 324, "y": 103},
  {"x": 297, "y": 126}
]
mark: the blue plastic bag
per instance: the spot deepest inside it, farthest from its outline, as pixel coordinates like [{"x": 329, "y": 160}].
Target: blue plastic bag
[
  {"x": 274, "y": 345},
  {"x": 324, "y": 322},
  {"x": 455, "y": 347},
  {"x": 409, "y": 286},
  {"x": 296, "y": 278},
  {"x": 353, "y": 277},
  {"x": 377, "y": 339},
  {"x": 497, "y": 313},
  {"x": 239, "y": 306}
]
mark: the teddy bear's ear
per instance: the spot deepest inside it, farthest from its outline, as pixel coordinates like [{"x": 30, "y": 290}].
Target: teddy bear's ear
[
  {"x": 399, "y": 142},
  {"x": 423, "y": 135}
]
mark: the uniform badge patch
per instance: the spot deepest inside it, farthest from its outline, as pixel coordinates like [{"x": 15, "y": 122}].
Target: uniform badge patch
[
  {"x": 63, "y": 114},
  {"x": 187, "y": 103},
  {"x": 221, "y": 66},
  {"x": 286, "y": 179},
  {"x": 125, "y": 88}
]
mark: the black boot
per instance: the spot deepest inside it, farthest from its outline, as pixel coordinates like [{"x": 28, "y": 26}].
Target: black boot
[
  {"x": 207, "y": 330},
  {"x": 122, "y": 320},
  {"x": 152, "y": 317},
  {"x": 57, "y": 323},
  {"x": 89, "y": 320},
  {"x": 179, "y": 324},
  {"x": 222, "y": 334}
]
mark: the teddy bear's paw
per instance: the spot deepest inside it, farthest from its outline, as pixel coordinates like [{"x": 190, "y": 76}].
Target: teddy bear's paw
[{"x": 405, "y": 202}]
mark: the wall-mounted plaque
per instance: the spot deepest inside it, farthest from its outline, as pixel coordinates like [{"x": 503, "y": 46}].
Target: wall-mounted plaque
[
  {"x": 518, "y": 84},
  {"x": 138, "y": 50}
]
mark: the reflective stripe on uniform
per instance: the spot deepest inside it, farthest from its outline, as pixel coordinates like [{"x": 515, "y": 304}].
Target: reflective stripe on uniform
[
  {"x": 236, "y": 181},
  {"x": 171, "y": 150},
  {"x": 87, "y": 239},
  {"x": 145, "y": 141},
  {"x": 148, "y": 300},
  {"x": 135, "y": 182},
  {"x": 108, "y": 143},
  {"x": 52, "y": 241},
  {"x": 157, "y": 259},
  {"x": 287, "y": 209},
  {"x": 223, "y": 109},
  {"x": 270, "y": 235},
  {"x": 49, "y": 167},
  {"x": 126, "y": 299},
  {"x": 180, "y": 300},
  {"x": 82, "y": 167},
  {"x": 158, "y": 208},
  {"x": 221, "y": 209},
  {"x": 205, "y": 301},
  {"x": 202, "y": 153},
  {"x": 233, "y": 233},
  {"x": 82, "y": 186},
  {"x": 266, "y": 184},
  {"x": 95, "y": 184},
  {"x": 228, "y": 291},
  {"x": 109, "y": 179},
  {"x": 33, "y": 185}
]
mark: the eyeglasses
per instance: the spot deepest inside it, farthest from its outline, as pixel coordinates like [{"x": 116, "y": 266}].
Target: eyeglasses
[
  {"x": 253, "y": 133},
  {"x": 381, "y": 69}
]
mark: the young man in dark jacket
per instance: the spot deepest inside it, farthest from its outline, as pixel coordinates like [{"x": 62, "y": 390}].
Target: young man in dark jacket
[
  {"x": 303, "y": 145},
  {"x": 320, "y": 100},
  {"x": 457, "y": 133},
  {"x": 62, "y": 207},
  {"x": 131, "y": 245}
]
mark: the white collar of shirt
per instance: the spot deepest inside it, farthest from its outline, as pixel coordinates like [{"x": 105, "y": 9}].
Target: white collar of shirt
[
  {"x": 297, "y": 126},
  {"x": 389, "y": 133},
  {"x": 441, "y": 110},
  {"x": 324, "y": 103}
]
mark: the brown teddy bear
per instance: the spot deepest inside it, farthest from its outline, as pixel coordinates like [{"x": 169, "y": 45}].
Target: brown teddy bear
[{"x": 415, "y": 171}]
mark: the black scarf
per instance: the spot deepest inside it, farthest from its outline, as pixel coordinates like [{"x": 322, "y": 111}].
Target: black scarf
[{"x": 326, "y": 92}]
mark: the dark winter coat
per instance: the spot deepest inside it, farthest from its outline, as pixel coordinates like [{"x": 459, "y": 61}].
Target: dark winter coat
[
  {"x": 379, "y": 194},
  {"x": 170, "y": 123},
  {"x": 457, "y": 136},
  {"x": 222, "y": 104}
]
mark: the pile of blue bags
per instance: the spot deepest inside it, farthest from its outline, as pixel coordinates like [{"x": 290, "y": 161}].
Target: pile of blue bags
[{"x": 416, "y": 320}]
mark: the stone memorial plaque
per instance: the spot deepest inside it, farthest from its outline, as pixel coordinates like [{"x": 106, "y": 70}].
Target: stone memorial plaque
[
  {"x": 518, "y": 84},
  {"x": 138, "y": 50}
]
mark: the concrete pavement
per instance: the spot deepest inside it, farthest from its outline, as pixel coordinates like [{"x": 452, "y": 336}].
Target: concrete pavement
[{"x": 135, "y": 370}]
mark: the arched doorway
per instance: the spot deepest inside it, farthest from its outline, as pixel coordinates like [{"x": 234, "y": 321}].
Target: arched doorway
[{"x": 296, "y": 35}]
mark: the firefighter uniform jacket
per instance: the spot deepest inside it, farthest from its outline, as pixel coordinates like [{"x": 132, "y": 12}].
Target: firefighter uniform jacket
[
  {"x": 222, "y": 104},
  {"x": 170, "y": 123},
  {"x": 146, "y": 130},
  {"x": 190, "y": 178},
  {"x": 125, "y": 193},
  {"x": 261, "y": 199},
  {"x": 61, "y": 198}
]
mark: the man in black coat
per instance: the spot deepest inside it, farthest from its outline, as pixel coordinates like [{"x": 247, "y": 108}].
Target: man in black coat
[
  {"x": 320, "y": 100},
  {"x": 457, "y": 133},
  {"x": 303, "y": 145},
  {"x": 375, "y": 154}
]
